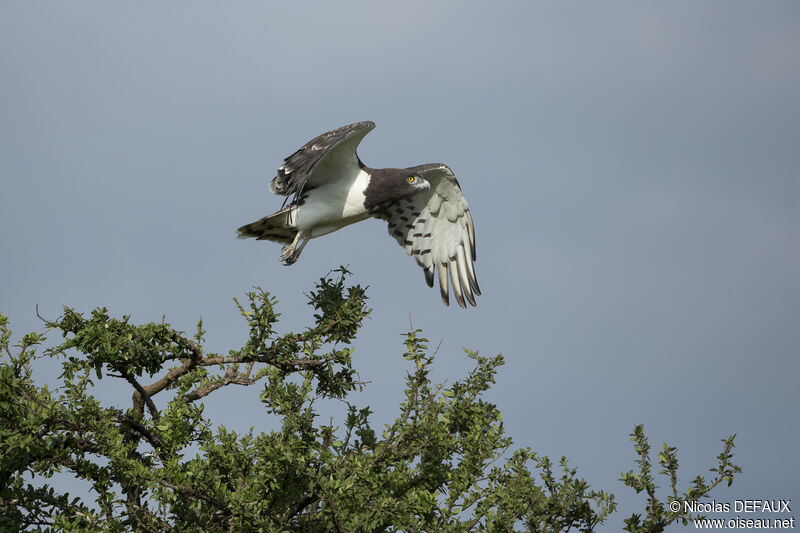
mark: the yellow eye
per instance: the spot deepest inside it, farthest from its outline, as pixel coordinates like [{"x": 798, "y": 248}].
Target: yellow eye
[{"x": 412, "y": 179}]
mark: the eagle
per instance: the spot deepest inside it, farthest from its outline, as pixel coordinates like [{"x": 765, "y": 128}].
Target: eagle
[{"x": 327, "y": 187}]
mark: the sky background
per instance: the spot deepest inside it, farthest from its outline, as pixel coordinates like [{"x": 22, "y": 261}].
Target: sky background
[{"x": 633, "y": 170}]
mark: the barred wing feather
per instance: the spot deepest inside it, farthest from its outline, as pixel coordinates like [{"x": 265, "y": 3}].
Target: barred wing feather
[{"x": 435, "y": 227}]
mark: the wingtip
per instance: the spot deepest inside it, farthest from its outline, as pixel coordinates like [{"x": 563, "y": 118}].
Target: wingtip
[
  {"x": 429, "y": 276},
  {"x": 475, "y": 288},
  {"x": 452, "y": 266},
  {"x": 444, "y": 285}
]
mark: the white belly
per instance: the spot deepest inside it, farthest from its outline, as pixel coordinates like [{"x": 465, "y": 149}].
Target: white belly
[{"x": 333, "y": 206}]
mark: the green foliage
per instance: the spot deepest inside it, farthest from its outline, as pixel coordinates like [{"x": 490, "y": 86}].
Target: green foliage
[
  {"x": 444, "y": 464},
  {"x": 658, "y": 516}
]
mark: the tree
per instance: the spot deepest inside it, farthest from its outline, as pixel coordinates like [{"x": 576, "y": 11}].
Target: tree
[{"x": 444, "y": 464}]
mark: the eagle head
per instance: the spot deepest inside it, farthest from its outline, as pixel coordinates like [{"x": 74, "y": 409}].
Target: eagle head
[{"x": 389, "y": 185}]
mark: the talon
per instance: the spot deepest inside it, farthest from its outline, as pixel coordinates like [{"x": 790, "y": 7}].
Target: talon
[{"x": 290, "y": 253}]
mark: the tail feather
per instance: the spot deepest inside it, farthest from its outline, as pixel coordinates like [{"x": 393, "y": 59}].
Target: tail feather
[{"x": 272, "y": 227}]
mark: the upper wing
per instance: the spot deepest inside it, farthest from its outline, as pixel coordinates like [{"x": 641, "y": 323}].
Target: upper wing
[
  {"x": 323, "y": 157},
  {"x": 435, "y": 227}
]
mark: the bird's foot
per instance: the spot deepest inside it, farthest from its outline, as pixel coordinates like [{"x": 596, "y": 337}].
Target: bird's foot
[{"x": 289, "y": 254}]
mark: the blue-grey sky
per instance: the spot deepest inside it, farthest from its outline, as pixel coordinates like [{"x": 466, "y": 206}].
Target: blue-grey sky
[{"x": 632, "y": 168}]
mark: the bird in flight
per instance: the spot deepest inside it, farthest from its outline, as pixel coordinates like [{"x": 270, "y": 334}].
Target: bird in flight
[{"x": 327, "y": 187}]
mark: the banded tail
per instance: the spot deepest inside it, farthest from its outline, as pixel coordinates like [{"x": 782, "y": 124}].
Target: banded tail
[{"x": 274, "y": 227}]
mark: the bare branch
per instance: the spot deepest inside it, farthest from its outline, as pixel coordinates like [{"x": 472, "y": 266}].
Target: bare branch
[
  {"x": 231, "y": 376},
  {"x": 195, "y": 355},
  {"x": 141, "y": 397}
]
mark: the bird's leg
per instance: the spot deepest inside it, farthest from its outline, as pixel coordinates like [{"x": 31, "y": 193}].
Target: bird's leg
[
  {"x": 290, "y": 253},
  {"x": 302, "y": 245}
]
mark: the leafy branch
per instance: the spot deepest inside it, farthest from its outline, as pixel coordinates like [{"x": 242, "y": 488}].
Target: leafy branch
[
  {"x": 658, "y": 517},
  {"x": 445, "y": 463}
]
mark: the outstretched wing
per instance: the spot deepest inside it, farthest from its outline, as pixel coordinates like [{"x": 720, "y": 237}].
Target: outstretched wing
[
  {"x": 327, "y": 156},
  {"x": 435, "y": 227}
]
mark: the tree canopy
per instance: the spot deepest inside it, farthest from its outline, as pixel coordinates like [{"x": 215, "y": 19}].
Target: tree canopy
[{"x": 444, "y": 464}]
